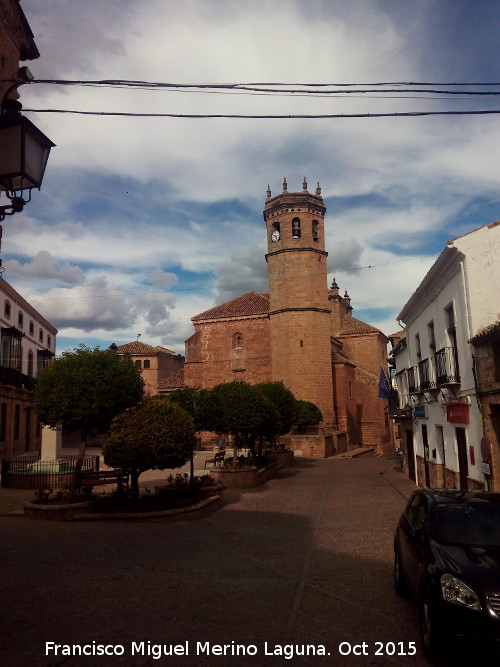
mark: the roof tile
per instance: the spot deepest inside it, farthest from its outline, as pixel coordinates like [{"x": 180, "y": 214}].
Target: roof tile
[{"x": 251, "y": 303}]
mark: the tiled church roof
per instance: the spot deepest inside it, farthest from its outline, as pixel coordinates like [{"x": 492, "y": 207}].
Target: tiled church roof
[
  {"x": 350, "y": 325},
  {"x": 174, "y": 381},
  {"x": 251, "y": 303},
  {"x": 136, "y": 347}
]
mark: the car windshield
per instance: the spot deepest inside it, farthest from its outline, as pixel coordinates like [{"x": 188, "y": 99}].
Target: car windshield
[{"x": 476, "y": 522}]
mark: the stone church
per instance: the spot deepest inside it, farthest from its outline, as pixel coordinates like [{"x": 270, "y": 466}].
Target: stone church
[{"x": 301, "y": 333}]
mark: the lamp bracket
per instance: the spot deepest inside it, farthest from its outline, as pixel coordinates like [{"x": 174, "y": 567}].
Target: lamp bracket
[{"x": 16, "y": 205}]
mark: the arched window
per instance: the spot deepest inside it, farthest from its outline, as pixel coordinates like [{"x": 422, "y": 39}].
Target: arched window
[
  {"x": 6, "y": 309},
  {"x": 237, "y": 339},
  {"x": 30, "y": 364},
  {"x": 296, "y": 228},
  {"x": 32, "y": 328},
  {"x": 20, "y": 319}
]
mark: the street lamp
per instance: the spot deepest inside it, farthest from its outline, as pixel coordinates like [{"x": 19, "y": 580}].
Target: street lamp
[{"x": 23, "y": 156}]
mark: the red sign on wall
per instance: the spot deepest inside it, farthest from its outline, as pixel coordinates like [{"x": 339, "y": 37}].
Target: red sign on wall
[{"x": 457, "y": 413}]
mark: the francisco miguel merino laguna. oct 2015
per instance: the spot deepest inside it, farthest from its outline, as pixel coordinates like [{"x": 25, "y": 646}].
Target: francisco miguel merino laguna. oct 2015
[{"x": 157, "y": 651}]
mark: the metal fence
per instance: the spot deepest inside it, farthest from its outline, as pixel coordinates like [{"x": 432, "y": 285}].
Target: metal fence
[{"x": 30, "y": 472}]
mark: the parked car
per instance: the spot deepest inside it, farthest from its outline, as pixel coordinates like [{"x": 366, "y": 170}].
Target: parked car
[{"x": 447, "y": 556}]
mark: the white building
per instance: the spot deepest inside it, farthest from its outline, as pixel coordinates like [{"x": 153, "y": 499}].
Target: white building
[
  {"x": 27, "y": 343},
  {"x": 440, "y": 414}
]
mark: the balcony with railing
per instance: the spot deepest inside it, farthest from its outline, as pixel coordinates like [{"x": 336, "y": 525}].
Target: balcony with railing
[
  {"x": 426, "y": 373},
  {"x": 14, "y": 378},
  {"x": 447, "y": 372},
  {"x": 412, "y": 377}
]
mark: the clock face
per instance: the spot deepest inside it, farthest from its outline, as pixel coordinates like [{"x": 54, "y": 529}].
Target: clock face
[{"x": 275, "y": 236}]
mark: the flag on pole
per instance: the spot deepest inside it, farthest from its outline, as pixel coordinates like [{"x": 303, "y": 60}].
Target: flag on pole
[{"x": 384, "y": 390}]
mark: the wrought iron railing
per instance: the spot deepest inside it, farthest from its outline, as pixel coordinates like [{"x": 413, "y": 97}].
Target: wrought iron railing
[
  {"x": 447, "y": 371},
  {"x": 426, "y": 374},
  {"x": 30, "y": 472},
  {"x": 14, "y": 378},
  {"x": 412, "y": 376}
]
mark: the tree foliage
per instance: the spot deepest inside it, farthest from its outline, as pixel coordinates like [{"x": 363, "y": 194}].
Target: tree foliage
[
  {"x": 236, "y": 408},
  {"x": 307, "y": 414},
  {"x": 86, "y": 388},
  {"x": 153, "y": 435},
  {"x": 284, "y": 403},
  {"x": 194, "y": 401}
]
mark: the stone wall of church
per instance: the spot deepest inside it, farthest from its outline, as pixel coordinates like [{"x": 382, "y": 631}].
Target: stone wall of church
[
  {"x": 228, "y": 350},
  {"x": 345, "y": 400}
]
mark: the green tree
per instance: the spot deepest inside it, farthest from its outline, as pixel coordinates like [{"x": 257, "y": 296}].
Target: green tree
[
  {"x": 284, "y": 403},
  {"x": 194, "y": 401},
  {"x": 153, "y": 435},
  {"x": 239, "y": 410},
  {"x": 307, "y": 414},
  {"x": 85, "y": 389}
]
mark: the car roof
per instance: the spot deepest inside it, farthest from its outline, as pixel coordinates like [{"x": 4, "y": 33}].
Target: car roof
[{"x": 459, "y": 495}]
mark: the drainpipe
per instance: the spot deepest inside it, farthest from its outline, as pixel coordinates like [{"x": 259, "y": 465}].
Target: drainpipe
[{"x": 466, "y": 300}]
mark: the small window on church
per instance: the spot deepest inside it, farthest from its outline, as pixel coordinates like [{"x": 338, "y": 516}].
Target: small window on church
[
  {"x": 296, "y": 228},
  {"x": 315, "y": 230},
  {"x": 237, "y": 339},
  {"x": 138, "y": 363},
  {"x": 147, "y": 363}
]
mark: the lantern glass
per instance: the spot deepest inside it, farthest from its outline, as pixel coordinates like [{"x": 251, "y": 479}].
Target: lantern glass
[{"x": 24, "y": 155}]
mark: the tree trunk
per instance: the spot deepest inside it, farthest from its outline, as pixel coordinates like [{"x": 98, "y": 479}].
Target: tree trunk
[
  {"x": 235, "y": 449},
  {"x": 75, "y": 480},
  {"x": 134, "y": 484}
]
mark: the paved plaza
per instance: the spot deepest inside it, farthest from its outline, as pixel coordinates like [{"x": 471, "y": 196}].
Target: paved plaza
[{"x": 304, "y": 561}]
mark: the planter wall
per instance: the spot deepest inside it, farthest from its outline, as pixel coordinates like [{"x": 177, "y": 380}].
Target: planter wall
[
  {"x": 56, "y": 512},
  {"x": 284, "y": 457},
  {"x": 315, "y": 446},
  {"x": 244, "y": 478},
  {"x": 82, "y": 512}
]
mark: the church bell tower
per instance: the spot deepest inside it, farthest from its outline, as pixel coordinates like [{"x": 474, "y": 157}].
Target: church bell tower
[{"x": 299, "y": 313}]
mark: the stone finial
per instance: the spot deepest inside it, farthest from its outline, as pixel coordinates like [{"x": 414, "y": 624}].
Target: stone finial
[
  {"x": 318, "y": 189},
  {"x": 334, "y": 289},
  {"x": 347, "y": 297},
  {"x": 268, "y": 191},
  {"x": 304, "y": 185},
  {"x": 285, "y": 186}
]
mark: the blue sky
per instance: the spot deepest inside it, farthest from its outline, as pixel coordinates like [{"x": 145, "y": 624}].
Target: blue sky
[{"x": 143, "y": 223}]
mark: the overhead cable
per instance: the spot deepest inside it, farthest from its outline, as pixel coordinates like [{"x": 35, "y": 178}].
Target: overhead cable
[{"x": 268, "y": 117}]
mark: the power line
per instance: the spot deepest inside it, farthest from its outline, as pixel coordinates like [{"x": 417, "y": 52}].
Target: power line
[
  {"x": 302, "y": 88},
  {"x": 265, "y": 117}
]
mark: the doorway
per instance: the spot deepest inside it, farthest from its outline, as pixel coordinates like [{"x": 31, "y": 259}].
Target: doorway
[
  {"x": 410, "y": 453},
  {"x": 463, "y": 463},
  {"x": 425, "y": 440}
]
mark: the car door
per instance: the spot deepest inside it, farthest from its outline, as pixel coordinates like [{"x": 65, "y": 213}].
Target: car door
[{"x": 414, "y": 539}]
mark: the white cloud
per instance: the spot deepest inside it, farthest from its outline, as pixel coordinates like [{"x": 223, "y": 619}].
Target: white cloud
[
  {"x": 150, "y": 202},
  {"x": 44, "y": 266}
]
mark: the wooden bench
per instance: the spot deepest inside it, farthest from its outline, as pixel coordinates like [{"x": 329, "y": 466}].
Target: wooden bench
[
  {"x": 90, "y": 478},
  {"x": 217, "y": 461}
]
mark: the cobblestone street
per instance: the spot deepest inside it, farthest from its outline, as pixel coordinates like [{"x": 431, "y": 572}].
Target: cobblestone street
[{"x": 304, "y": 560}]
